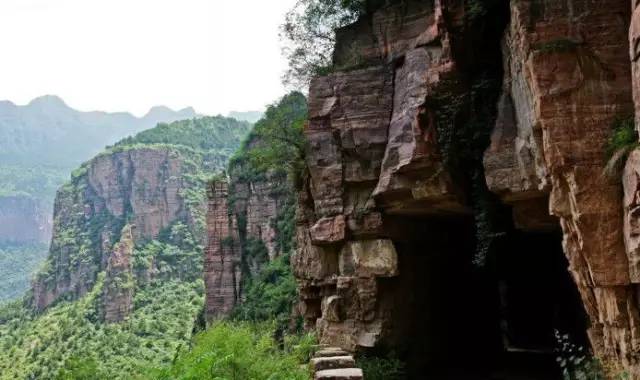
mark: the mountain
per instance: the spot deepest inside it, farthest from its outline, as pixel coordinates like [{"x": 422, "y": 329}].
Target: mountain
[
  {"x": 40, "y": 143},
  {"x": 123, "y": 278},
  {"x": 250, "y": 116},
  {"x": 48, "y": 131}
]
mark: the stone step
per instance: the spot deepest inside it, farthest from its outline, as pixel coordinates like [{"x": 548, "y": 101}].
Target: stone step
[
  {"x": 331, "y": 351},
  {"x": 339, "y": 374},
  {"x": 332, "y": 362}
]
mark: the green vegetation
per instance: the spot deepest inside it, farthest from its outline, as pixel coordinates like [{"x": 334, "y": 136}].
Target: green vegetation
[
  {"x": 69, "y": 339},
  {"x": 17, "y": 264},
  {"x": 240, "y": 351},
  {"x": 381, "y": 368},
  {"x": 276, "y": 144},
  {"x": 622, "y": 141},
  {"x": 270, "y": 295},
  {"x": 206, "y": 134},
  {"x": 37, "y": 181},
  {"x": 309, "y": 31}
]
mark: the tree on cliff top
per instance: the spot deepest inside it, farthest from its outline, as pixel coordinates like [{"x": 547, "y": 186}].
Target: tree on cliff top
[
  {"x": 309, "y": 33},
  {"x": 277, "y": 142}
]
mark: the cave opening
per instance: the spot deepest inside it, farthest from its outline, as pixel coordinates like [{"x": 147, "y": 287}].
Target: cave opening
[{"x": 456, "y": 320}]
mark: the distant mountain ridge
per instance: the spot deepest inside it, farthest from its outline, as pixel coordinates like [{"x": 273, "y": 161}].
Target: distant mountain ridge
[
  {"x": 249, "y": 116},
  {"x": 48, "y": 131}
]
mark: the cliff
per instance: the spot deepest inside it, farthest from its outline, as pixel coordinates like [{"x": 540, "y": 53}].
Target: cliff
[
  {"x": 455, "y": 153},
  {"x": 250, "y": 215},
  {"x": 157, "y": 193},
  {"x": 242, "y": 236},
  {"x": 119, "y": 282},
  {"x": 222, "y": 256},
  {"x": 145, "y": 186}
]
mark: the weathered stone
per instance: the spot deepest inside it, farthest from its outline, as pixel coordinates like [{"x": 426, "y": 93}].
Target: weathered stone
[
  {"x": 331, "y": 309},
  {"x": 119, "y": 283},
  {"x": 566, "y": 79},
  {"x": 340, "y": 374},
  {"x": 369, "y": 258},
  {"x": 145, "y": 183},
  {"x": 634, "y": 53},
  {"x": 328, "y": 230},
  {"x": 222, "y": 257},
  {"x": 564, "y": 86},
  {"x": 330, "y": 352},
  {"x": 258, "y": 201},
  {"x": 332, "y": 362},
  {"x": 631, "y": 182}
]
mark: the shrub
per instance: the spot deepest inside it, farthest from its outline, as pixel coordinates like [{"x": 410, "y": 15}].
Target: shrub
[
  {"x": 622, "y": 141},
  {"x": 382, "y": 368},
  {"x": 235, "y": 351}
]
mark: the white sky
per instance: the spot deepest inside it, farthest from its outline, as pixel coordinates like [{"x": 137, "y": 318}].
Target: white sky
[{"x": 129, "y": 55}]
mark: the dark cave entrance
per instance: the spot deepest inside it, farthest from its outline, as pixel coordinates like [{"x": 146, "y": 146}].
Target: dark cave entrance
[{"x": 458, "y": 321}]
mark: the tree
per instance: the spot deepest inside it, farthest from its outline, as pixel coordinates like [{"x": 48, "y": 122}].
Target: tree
[
  {"x": 309, "y": 32},
  {"x": 277, "y": 142}
]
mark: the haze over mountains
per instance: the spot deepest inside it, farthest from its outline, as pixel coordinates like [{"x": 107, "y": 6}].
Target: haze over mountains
[{"x": 47, "y": 131}]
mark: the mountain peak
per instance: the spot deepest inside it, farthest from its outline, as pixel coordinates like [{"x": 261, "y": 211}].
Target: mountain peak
[
  {"x": 166, "y": 112},
  {"x": 48, "y": 100}
]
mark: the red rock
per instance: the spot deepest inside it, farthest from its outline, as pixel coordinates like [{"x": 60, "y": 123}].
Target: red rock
[
  {"x": 328, "y": 230},
  {"x": 222, "y": 257},
  {"x": 119, "y": 282}
]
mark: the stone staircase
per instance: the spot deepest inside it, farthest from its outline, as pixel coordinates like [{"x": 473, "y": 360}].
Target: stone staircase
[{"x": 332, "y": 363}]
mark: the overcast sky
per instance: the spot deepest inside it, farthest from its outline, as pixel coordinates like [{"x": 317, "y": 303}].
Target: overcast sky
[{"x": 129, "y": 55}]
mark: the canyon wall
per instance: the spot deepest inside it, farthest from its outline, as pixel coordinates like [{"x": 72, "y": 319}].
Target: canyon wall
[
  {"x": 242, "y": 235},
  {"x": 447, "y": 121},
  {"x": 119, "y": 282},
  {"x": 144, "y": 186},
  {"x": 222, "y": 255}
]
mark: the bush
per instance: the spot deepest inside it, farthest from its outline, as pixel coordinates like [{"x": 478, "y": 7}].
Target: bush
[
  {"x": 269, "y": 295},
  {"x": 236, "y": 351},
  {"x": 382, "y": 368},
  {"x": 622, "y": 141}
]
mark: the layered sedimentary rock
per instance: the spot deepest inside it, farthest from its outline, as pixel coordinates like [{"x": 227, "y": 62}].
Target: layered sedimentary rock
[
  {"x": 143, "y": 182},
  {"x": 222, "y": 257},
  {"x": 389, "y": 149},
  {"x": 144, "y": 185},
  {"x": 567, "y": 80},
  {"x": 258, "y": 202},
  {"x": 119, "y": 283},
  {"x": 24, "y": 220},
  {"x": 374, "y": 151}
]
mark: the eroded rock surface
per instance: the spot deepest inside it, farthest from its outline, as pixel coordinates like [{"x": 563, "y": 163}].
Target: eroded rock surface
[
  {"x": 373, "y": 151},
  {"x": 119, "y": 281},
  {"x": 566, "y": 81},
  {"x": 144, "y": 184},
  {"x": 380, "y": 135},
  {"x": 222, "y": 258}
]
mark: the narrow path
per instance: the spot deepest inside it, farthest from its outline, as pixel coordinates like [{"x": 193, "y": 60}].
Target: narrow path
[{"x": 333, "y": 363}]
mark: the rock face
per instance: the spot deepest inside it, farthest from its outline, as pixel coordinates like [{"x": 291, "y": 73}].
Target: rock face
[
  {"x": 566, "y": 81},
  {"x": 119, "y": 282},
  {"x": 222, "y": 257},
  {"x": 258, "y": 202},
  {"x": 144, "y": 185},
  {"x": 24, "y": 220},
  {"x": 374, "y": 151},
  {"x": 242, "y": 217},
  {"x": 441, "y": 108}
]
